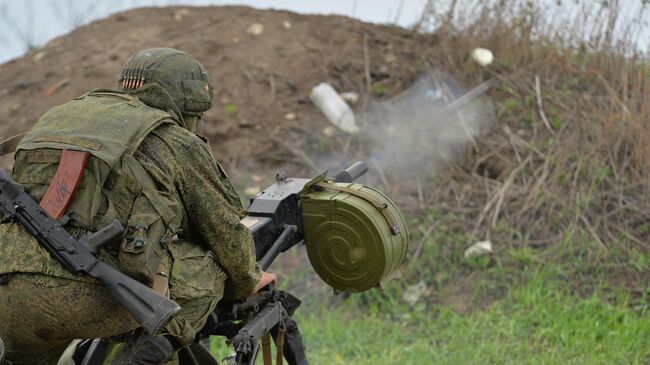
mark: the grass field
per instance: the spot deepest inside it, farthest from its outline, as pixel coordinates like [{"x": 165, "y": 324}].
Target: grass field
[
  {"x": 540, "y": 322},
  {"x": 519, "y": 309}
]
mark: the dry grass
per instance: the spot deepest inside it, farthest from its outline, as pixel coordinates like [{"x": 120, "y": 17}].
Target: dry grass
[
  {"x": 564, "y": 173},
  {"x": 566, "y": 168}
]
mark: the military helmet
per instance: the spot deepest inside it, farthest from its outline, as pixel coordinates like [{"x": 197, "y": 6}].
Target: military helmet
[{"x": 181, "y": 75}]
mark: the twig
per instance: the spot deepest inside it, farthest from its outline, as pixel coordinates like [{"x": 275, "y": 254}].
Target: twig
[
  {"x": 420, "y": 246},
  {"x": 366, "y": 62},
  {"x": 491, "y": 152},
  {"x": 540, "y": 180},
  {"x": 427, "y": 11},
  {"x": 523, "y": 142},
  {"x": 398, "y": 13},
  {"x": 539, "y": 104},
  {"x": 504, "y": 188},
  {"x": 514, "y": 148},
  {"x": 593, "y": 233},
  {"x": 484, "y": 212},
  {"x": 420, "y": 194},
  {"x": 455, "y": 106}
]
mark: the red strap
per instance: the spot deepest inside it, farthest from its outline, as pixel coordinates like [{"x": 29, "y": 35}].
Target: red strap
[{"x": 65, "y": 183}]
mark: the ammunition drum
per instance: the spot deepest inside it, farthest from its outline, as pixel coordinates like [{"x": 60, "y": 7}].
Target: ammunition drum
[{"x": 356, "y": 237}]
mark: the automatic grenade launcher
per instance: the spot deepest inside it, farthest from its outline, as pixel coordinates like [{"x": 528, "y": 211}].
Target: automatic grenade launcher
[{"x": 356, "y": 238}]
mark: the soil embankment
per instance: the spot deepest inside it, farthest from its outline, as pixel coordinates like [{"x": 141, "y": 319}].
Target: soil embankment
[
  {"x": 561, "y": 178},
  {"x": 263, "y": 65}
]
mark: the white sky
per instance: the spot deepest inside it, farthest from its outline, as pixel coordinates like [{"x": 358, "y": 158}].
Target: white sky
[{"x": 35, "y": 22}]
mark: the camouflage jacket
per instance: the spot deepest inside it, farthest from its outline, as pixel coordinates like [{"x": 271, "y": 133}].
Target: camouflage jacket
[{"x": 178, "y": 179}]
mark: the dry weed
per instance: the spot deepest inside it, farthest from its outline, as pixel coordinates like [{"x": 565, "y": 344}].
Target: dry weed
[{"x": 567, "y": 166}]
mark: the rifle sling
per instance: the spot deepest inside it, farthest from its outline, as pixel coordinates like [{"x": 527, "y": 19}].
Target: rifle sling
[
  {"x": 381, "y": 208},
  {"x": 279, "y": 344},
  {"x": 65, "y": 183},
  {"x": 266, "y": 349}
]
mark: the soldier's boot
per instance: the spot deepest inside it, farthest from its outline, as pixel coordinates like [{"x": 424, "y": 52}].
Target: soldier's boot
[{"x": 145, "y": 349}]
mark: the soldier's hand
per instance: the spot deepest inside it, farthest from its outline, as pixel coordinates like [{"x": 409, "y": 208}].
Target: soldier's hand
[{"x": 265, "y": 280}]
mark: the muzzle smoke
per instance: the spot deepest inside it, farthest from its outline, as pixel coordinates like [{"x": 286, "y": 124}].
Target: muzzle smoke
[
  {"x": 405, "y": 140},
  {"x": 415, "y": 133}
]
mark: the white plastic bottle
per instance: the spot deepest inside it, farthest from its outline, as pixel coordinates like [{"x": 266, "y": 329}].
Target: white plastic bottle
[{"x": 335, "y": 109}]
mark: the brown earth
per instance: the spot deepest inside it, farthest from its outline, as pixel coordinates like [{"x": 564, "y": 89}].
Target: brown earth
[
  {"x": 262, "y": 120},
  {"x": 259, "y": 79},
  {"x": 562, "y": 177}
]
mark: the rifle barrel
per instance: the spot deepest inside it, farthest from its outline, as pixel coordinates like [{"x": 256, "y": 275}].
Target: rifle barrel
[{"x": 351, "y": 173}]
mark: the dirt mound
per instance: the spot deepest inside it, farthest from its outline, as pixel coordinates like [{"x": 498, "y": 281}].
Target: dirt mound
[
  {"x": 562, "y": 177},
  {"x": 262, "y": 81}
]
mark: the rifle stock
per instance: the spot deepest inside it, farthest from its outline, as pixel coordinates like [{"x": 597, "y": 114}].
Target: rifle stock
[{"x": 149, "y": 308}]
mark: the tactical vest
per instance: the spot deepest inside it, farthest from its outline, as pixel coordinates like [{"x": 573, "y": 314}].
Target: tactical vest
[{"x": 110, "y": 126}]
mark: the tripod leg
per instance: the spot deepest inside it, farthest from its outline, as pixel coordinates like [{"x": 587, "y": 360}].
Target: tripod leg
[{"x": 294, "y": 350}]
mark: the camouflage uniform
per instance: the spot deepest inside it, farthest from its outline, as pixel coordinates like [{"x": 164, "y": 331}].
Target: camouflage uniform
[{"x": 169, "y": 191}]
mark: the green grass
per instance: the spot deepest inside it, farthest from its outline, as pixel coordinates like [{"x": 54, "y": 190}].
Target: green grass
[
  {"x": 540, "y": 322},
  {"x": 521, "y": 305}
]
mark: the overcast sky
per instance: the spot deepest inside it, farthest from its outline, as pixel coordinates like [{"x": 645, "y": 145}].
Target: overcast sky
[{"x": 34, "y": 22}]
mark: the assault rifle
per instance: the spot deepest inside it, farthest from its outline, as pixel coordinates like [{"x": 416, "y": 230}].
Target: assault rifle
[{"x": 146, "y": 306}]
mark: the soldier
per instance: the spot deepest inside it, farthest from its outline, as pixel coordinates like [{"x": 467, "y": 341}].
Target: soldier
[{"x": 142, "y": 163}]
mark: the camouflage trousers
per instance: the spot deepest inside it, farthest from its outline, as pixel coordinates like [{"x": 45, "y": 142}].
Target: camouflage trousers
[{"x": 40, "y": 314}]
